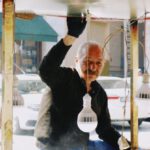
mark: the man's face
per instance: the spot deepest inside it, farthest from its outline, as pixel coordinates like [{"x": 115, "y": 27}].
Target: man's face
[{"x": 91, "y": 64}]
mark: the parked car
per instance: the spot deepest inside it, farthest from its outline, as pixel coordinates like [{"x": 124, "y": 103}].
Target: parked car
[
  {"x": 31, "y": 88},
  {"x": 26, "y": 100},
  {"x": 118, "y": 92}
]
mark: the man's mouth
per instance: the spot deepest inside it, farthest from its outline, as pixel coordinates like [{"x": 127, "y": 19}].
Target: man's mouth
[{"x": 89, "y": 72}]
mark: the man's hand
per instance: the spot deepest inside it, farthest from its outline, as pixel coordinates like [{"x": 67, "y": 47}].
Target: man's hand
[{"x": 76, "y": 25}]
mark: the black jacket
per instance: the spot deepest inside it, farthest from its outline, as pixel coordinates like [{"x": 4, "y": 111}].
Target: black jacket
[{"x": 68, "y": 90}]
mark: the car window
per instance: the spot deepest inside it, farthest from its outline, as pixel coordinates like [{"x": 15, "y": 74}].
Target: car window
[
  {"x": 109, "y": 84},
  {"x": 29, "y": 86}
]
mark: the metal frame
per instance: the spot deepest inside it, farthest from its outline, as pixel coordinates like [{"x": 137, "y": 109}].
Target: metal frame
[{"x": 7, "y": 68}]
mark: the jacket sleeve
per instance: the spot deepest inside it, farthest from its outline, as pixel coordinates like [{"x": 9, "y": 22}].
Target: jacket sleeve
[
  {"x": 50, "y": 71},
  {"x": 104, "y": 129}
]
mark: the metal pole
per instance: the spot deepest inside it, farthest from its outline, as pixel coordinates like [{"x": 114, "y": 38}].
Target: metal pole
[
  {"x": 134, "y": 73},
  {"x": 7, "y": 72}
]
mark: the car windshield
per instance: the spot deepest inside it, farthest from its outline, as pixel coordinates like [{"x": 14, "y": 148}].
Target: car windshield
[
  {"x": 109, "y": 84},
  {"x": 30, "y": 86}
]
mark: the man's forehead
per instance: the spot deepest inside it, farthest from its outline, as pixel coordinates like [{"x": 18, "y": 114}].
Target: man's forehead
[
  {"x": 100, "y": 58},
  {"x": 89, "y": 50}
]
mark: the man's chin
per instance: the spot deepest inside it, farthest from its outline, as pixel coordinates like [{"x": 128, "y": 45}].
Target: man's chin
[{"x": 92, "y": 77}]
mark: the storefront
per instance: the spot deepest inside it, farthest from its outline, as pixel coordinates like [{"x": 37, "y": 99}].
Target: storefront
[{"x": 29, "y": 35}]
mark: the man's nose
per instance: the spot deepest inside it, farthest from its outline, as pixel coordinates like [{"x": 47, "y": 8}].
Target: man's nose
[{"x": 93, "y": 66}]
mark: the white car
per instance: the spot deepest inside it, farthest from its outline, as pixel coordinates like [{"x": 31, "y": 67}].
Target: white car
[
  {"x": 31, "y": 88},
  {"x": 118, "y": 92}
]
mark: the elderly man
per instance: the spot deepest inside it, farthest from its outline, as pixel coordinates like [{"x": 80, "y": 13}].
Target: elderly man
[{"x": 68, "y": 87}]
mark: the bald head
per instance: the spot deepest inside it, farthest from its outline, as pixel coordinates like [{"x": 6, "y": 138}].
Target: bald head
[{"x": 83, "y": 50}]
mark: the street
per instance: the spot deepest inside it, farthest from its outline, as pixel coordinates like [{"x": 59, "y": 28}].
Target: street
[{"x": 26, "y": 140}]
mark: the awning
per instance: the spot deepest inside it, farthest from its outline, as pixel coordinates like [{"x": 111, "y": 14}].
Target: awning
[{"x": 36, "y": 29}]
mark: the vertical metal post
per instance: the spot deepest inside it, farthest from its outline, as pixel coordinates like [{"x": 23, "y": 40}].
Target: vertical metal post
[
  {"x": 7, "y": 72},
  {"x": 134, "y": 73}
]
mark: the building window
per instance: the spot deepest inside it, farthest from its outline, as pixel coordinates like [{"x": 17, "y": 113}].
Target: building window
[{"x": 29, "y": 57}]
